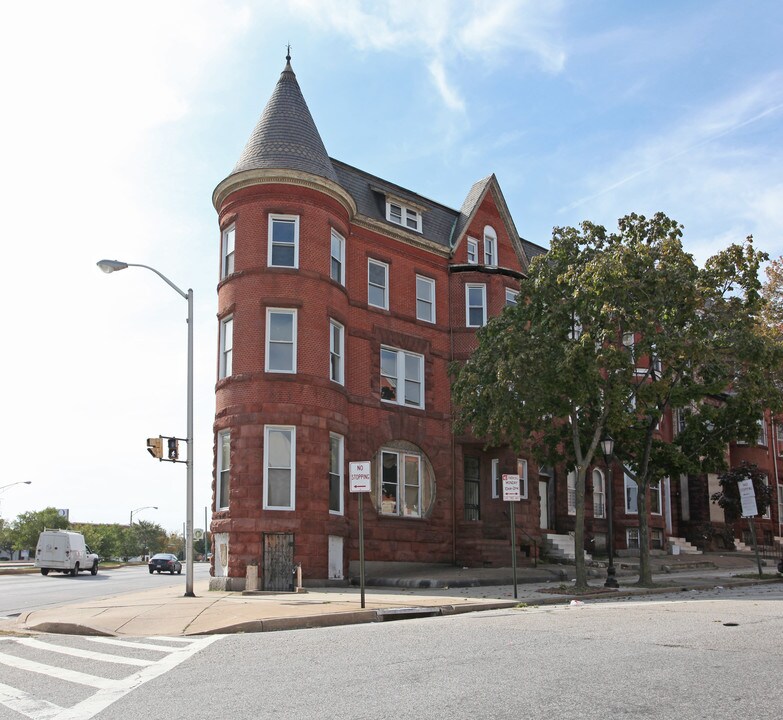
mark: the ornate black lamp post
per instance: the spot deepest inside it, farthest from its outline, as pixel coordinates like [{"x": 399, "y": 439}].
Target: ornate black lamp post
[{"x": 607, "y": 446}]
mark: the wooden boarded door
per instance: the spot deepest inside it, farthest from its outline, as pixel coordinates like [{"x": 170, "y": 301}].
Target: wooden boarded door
[{"x": 278, "y": 561}]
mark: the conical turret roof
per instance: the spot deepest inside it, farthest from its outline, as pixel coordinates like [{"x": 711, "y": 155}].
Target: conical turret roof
[{"x": 286, "y": 138}]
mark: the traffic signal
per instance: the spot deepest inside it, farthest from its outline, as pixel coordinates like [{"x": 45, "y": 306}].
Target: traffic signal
[
  {"x": 155, "y": 447},
  {"x": 173, "y": 448}
]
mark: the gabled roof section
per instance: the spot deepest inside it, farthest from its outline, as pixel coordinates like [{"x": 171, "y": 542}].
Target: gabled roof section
[
  {"x": 369, "y": 192},
  {"x": 285, "y": 137},
  {"x": 470, "y": 207}
]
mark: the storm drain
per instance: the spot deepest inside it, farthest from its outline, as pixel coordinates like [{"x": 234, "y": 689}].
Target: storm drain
[{"x": 409, "y": 613}]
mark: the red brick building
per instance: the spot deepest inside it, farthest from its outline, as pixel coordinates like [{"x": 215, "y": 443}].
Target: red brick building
[{"x": 342, "y": 299}]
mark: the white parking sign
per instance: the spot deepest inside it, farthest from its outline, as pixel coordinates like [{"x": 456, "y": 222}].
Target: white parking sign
[{"x": 511, "y": 488}]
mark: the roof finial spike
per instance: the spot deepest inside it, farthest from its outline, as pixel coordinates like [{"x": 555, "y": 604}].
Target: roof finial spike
[{"x": 288, "y": 53}]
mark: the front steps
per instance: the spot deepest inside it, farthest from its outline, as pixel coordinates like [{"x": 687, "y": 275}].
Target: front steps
[
  {"x": 685, "y": 548},
  {"x": 560, "y": 547}
]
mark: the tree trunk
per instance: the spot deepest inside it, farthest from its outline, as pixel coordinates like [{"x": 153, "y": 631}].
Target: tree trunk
[
  {"x": 579, "y": 530},
  {"x": 645, "y": 571}
]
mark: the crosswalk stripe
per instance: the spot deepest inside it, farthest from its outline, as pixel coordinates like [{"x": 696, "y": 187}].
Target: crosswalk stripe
[
  {"x": 25, "y": 704},
  {"x": 129, "y": 644},
  {"x": 86, "y": 654},
  {"x": 73, "y": 676}
]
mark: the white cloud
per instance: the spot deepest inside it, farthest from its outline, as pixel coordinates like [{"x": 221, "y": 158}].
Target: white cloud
[{"x": 443, "y": 31}]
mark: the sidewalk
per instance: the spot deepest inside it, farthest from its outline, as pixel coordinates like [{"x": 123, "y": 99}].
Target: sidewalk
[{"x": 401, "y": 592}]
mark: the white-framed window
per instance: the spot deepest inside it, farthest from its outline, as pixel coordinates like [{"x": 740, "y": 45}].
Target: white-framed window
[
  {"x": 227, "y": 251},
  {"x": 490, "y": 246},
  {"x": 599, "y": 494},
  {"x": 475, "y": 305},
  {"x": 472, "y": 251},
  {"x": 522, "y": 472},
  {"x": 779, "y": 435},
  {"x": 283, "y": 241},
  {"x": 511, "y": 296},
  {"x": 336, "y": 464},
  {"x": 632, "y": 538},
  {"x": 497, "y": 480},
  {"x": 762, "y": 436},
  {"x": 223, "y": 470},
  {"x": 226, "y": 347},
  {"x": 425, "y": 299},
  {"x": 402, "y": 377},
  {"x": 768, "y": 513},
  {"x": 336, "y": 352},
  {"x": 629, "y": 341},
  {"x": 631, "y": 493},
  {"x": 571, "y": 487},
  {"x": 679, "y": 418},
  {"x": 280, "y": 340},
  {"x": 780, "y": 501},
  {"x": 378, "y": 284},
  {"x": 337, "y": 258},
  {"x": 402, "y": 215},
  {"x": 400, "y": 475},
  {"x": 575, "y": 332},
  {"x": 279, "y": 467},
  {"x": 656, "y": 504}
]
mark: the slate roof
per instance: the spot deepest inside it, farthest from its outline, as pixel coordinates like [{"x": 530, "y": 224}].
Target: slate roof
[
  {"x": 285, "y": 137},
  {"x": 369, "y": 192}
]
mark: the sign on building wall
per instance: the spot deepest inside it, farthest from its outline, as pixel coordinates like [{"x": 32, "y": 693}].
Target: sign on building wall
[{"x": 359, "y": 476}]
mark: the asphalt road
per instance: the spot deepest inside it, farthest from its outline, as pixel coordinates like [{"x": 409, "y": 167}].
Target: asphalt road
[
  {"x": 33, "y": 591},
  {"x": 704, "y": 654}
]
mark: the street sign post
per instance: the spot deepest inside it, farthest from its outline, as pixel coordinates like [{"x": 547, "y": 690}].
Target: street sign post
[
  {"x": 512, "y": 493},
  {"x": 359, "y": 480},
  {"x": 749, "y": 510}
]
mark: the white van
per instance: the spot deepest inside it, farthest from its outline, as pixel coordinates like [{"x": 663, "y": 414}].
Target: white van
[{"x": 64, "y": 551}]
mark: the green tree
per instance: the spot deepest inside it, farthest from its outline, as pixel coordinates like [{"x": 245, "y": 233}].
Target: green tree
[
  {"x": 28, "y": 526},
  {"x": 616, "y": 330},
  {"x": 105, "y": 540},
  {"x": 151, "y": 537},
  {"x": 6, "y": 537}
]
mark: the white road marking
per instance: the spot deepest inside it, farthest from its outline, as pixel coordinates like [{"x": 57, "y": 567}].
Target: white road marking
[
  {"x": 28, "y": 705},
  {"x": 73, "y": 676},
  {"x": 86, "y": 654},
  {"x": 129, "y": 644},
  {"x": 109, "y": 691}
]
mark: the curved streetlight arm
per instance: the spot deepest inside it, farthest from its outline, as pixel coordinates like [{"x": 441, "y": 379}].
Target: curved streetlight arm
[
  {"x": 109, "y": 266},
  {"x": 18, "y": 482}
]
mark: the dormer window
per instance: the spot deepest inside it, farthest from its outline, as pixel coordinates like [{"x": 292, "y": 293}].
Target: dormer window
[{"x": 400, "y": 214}]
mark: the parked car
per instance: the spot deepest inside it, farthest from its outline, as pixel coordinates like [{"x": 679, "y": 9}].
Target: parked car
[
  {"x": 165, "y": 562},
  {"x": 64, "y": 551}
]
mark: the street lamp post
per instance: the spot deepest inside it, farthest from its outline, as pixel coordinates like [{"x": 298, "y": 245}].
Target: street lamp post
[
  {"x": 109, "y": 266},
  {"x": 607, "y": 446},
  {"x": 18, "y": 482},
  {"x": 138, "y": 510}
]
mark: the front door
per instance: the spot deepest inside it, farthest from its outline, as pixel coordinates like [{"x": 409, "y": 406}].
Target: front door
[
  {"x": 335, "y": 557},
  {"x": 543, "y": 504},
  {"x": 279, "y": 561}
]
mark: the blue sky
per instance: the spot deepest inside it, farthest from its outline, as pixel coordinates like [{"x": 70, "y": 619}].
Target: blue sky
[{"x": 121, "y": 119}]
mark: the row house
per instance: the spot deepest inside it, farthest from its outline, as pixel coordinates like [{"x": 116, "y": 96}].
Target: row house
[{"x": 342, "y": 299}]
